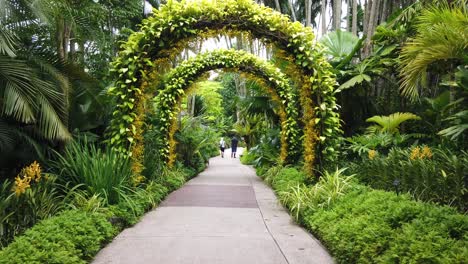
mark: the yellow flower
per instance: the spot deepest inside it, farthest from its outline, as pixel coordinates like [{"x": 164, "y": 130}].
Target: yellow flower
[
  {"x": 415, "y": 153},
  {"x": 21, "y": 185},
  {"x": 137, "y": 179},
  {"x": 24, "y": 178},
  {"x": 372, "y": 153},
  {"x": 426, "y": 152}
]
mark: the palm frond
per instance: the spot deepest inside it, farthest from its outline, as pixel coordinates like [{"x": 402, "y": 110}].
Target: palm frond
[
  {"x": 7, "y": 42},
  {"x": 392, "y": 122},
  {"x": 442, "y": 36},
  {"x": 32, "y": 100},
  {"x": 339, "y": 44},
  {"x": 50, "y": 124}
]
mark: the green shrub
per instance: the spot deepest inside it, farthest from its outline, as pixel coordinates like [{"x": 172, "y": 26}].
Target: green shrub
[
  {"x": 298, "y": 197},
  {"x": 172, "y": 179},
  {"x": 104, "y": 172},
  {"x": 247, "y": 158},
  {"x": 288, "y": 177},
  {"x": 196, "y": 143},
  {"x": 271, "y": 173},
  {"x": 439, "y": 175},
  {"x": 70, "y": 237},
  {"x": 362, "y": 225},
  {"x": 370, "y": 226},
  {"x": 128, "y": 212}
]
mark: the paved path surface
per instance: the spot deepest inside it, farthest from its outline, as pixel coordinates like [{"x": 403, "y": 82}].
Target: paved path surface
[{"x": 225, "y": 215}]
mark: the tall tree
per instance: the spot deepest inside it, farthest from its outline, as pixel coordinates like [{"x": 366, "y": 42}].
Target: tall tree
[
  {"x": 293, "y": 12},
  {"x": 308, "y": 13},
  {"x": 277, "y": 5},
  {"x": 355, "y": 18},
  {"x": 336, "y": 14},
  {"x": 323, "y": 11}
]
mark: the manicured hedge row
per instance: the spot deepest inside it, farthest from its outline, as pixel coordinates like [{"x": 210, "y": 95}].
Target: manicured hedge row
[
  {"x": 75, "y": 236},
  {"x": 71, "y": 237},
  {"x": 372, "y": 226}
]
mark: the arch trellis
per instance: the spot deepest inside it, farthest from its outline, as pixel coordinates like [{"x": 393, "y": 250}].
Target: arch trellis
[
  {"x": 163, "y": 35},
  {"x": 276, "y": 84}
]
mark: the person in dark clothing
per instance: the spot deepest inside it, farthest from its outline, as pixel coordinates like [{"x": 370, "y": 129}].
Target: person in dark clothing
[{"x": 234, "y": 142}]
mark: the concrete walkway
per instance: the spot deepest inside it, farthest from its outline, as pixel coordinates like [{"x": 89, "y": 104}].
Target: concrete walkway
[{"x": 225, "y": 215}]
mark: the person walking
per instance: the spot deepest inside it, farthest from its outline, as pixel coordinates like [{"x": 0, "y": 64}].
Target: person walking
[
  {"x": 222, "y": 146},
  {"x": 234, "y": 142}
]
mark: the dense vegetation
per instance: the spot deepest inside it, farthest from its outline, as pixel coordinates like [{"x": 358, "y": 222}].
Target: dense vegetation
[
  {"x": 68, "y": 117},
  {"x": 371, "y": 226}
]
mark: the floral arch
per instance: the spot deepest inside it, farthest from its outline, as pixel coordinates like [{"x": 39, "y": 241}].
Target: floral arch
[
  {"x": 274, "y": 82},
  {"x": 164, "y": 34}
]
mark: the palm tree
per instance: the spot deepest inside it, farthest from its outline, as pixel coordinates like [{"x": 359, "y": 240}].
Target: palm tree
[
  {"x": 31, "y": 92},
  {"x": 442, "y": 38}
]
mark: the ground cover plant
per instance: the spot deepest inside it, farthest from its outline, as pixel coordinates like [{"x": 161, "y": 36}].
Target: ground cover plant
[
  {"x": 361, "y": 225},
  {"x": 77, "y": 234}
]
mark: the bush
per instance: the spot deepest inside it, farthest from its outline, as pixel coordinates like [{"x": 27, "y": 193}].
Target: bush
[
  {"x": 299, "y": 197},
  {"x": 288, "y": 177},
  {"x": 371, "y": 226},
  {"x": 71, "y": 237},
  {"x": 429, "y": 174},
  {"x": 129, "y": 212},
  {"x": 247, "y": 158},
  {"x": 362, "y": 225},
  {"x": 75, "y": 236},
  {"x": 196, "y": 143}
]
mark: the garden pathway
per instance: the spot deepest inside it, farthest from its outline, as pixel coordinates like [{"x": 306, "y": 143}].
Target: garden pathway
[{"x": 225, "y": 215}]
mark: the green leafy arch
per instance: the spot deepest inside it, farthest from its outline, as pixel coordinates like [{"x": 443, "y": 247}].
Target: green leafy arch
[
  {"x": 176, "y": 23},
  {"x": 276, "y": 84}
]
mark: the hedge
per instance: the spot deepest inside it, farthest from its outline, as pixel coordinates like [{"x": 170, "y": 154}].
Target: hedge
[{"x": 71, "y": 237}]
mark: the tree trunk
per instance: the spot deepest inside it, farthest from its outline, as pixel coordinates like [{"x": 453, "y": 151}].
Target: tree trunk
[
  {"x": 349, "y": 11},
  {"x": 367, "y": 8},
  {"x": 384, "y": 11},
  {"x": 308, "y": 11},
  {"x": 66, "y": 40},
  {"x": 336, "y": 14},
  {"x": 323, "y": 11},
  {"x": 378, "y": 16},
  {"x": 192, "y": 105},
  {"x": 355, "y": 22},
  {"x": 278, "y": 7},
  {"x": 59, "y": 38},
  {"x": 372, "y": 19},
  {"x": 370, "y": 27},
  {"x": 293, "y": 13}
]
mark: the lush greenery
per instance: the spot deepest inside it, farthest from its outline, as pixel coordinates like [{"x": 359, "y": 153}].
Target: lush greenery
[
  {"x": 429, "y": 174},
  {"x": 75, "y": 235},
  {"x": 159, "y": 38},
  {"x": 71, "y": 237},
  {"x": 362, "y": 225},
  {"x": 190, "y": 70},
  {"x": 398, "y": 73}
]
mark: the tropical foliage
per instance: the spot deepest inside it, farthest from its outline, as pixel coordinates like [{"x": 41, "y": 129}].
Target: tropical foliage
[
  {"x": 85, "y": 150},
  {"x": 154, "y": 39}
]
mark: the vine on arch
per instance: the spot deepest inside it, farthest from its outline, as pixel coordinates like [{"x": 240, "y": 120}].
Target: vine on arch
[
  {"x": 178, "y": 22},
  {"x": 188, "y": 72}
]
